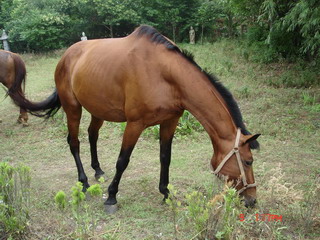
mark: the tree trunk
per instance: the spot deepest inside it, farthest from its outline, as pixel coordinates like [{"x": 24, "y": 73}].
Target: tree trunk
[
  {"x": 230, "y": 25},
  {"x": 111, "y": 31},
  {"x": 174, "y": 32},
  {"x": 202, "y": 29}
]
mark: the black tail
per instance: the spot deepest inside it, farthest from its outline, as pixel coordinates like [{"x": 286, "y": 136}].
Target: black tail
[{"x": 46, "y": 108}]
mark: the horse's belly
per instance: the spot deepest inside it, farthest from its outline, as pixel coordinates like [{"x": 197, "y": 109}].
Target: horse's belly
[
  {"x": 102, "y": 104},
  {"x": 106, "y": 113}
]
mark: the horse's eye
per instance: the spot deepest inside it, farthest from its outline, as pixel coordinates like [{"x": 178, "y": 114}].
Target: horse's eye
[{"x": 248, "y": 163}]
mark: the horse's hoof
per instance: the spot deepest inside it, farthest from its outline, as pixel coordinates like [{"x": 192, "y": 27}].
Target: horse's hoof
[
  {"x": 97, "y": 176},
  {"x": 85, "y": 187},
  {"x": 23, "y": 122},
  {"x": 111, "y": 209}
]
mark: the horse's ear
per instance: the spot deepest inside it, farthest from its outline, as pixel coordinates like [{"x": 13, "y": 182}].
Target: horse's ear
[{"x": 251, "y": 138}]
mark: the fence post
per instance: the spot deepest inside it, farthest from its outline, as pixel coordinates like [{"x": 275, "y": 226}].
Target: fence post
[{"x": 4, "y": 39}]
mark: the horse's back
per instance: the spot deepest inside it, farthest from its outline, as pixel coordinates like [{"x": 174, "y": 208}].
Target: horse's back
[{"x": 117, "y": 79}]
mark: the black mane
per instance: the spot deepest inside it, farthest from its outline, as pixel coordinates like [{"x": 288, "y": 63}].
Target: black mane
[
  {"x": 232, "y": 105},
  {"x": 156, "y": 37}
]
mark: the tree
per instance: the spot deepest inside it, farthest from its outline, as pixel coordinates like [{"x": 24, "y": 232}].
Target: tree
[
  {"x": 35, "y": 26},
  {"x": 114, "y": 12},
  {"x": 6, "y": 6},
  {"x": 207, "y": 14},
  {"x": 304, "y": 18}
]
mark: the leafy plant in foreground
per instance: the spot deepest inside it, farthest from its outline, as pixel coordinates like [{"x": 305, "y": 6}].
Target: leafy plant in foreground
[
  {"x": 14, "y": 200},
  {"x": 210, "y": 217},
  {"x": 174, "y": 205},
  {"x": 81, "y": 210}
]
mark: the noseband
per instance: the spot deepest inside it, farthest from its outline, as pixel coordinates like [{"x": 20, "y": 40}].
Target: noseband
[{"x": 235, "y": 151}]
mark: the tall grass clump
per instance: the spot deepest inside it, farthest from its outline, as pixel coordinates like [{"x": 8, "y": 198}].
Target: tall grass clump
[
  {"x": 208, "y": 215},
  {"x": 220, "y": 214},
  {"x": 82, "y": 211},
  {"x": 14, "y": 200}
]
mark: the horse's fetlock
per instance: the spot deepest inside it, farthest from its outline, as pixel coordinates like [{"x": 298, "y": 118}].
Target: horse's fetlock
[{"x": 164, "y": 190}]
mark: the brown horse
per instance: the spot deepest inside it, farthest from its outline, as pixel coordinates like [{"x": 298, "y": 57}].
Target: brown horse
[
  {"x": 12, "y": 75},
  {"x": 145, "y": 79}
]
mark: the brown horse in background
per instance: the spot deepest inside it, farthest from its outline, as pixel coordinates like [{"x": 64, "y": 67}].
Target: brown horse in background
[
  {"x": 144, "y": 79},
  {"x": 12, "y": 75}
]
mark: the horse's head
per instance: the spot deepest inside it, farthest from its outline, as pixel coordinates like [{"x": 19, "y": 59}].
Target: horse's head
[{"x": 237, "y": 167}]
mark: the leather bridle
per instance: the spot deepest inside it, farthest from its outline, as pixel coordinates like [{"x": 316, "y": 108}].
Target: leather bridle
[{"x": 235, "y": 151}]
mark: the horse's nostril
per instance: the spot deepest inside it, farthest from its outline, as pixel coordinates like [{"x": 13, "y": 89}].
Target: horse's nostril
[{"x": 250, "y": 202}]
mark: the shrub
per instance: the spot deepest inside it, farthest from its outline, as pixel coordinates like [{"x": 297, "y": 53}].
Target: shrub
[
  {"x": 210, "y": 217},
  {"x": 256, "y": 34},
  {"x": 295, "y": 78},
  {"x": 262, "y": 53},
  {"x": 14, "y": 200}
]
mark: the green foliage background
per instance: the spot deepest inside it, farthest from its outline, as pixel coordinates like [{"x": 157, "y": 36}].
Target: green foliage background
[{"x": 281, "y": 28}]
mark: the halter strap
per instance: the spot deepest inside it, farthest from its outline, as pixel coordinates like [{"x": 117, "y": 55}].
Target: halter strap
[{"x": 235, "y": 151}]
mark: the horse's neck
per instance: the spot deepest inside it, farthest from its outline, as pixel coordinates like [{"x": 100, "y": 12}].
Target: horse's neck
[{"x": 203, "y": 101}]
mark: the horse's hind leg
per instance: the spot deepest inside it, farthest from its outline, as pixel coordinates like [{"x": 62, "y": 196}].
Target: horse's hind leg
[
  {"x": 73, "y": 119},
  {"x": 130, "y": 137},
  {"x": 23, "y": 117},
  {"x": 167, "y": 130},
  {"x": 93, "y": 132}
]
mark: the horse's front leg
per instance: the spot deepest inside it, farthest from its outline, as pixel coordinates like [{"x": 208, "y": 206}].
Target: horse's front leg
[
  {"x": 130, "y": 137},
  {"x": 93, "y": 132},
  {"x": 167, "y": 130}
]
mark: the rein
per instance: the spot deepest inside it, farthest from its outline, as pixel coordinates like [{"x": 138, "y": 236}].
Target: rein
[{"x": 235, "y": 151}]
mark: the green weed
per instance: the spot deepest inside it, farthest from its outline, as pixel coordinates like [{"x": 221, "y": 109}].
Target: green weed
[
  {"x": 310, "y": 102},
  {"x": 198, "y": 208},
  {"x": 174, "y": 205},
  {"x": 188, "y": 124},
  {"x": 14, "y": 200},
  {"x": 81, "y": 210},
  {"x": 60, "y": 199}
]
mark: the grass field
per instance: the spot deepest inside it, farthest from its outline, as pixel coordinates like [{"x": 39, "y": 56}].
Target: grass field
[{"x": 287, "y": 167}]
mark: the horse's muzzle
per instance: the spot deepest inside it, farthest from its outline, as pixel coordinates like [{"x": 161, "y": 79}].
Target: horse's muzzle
[{"x": 250, "y": 201}]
